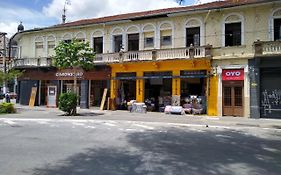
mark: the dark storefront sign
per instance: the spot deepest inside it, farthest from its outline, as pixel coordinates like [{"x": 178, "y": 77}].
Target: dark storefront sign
[
  {"x": 157, "y": 75},
  {"x": 232, "y": 74},
  {"x": 126, "y": 76},
  {"x": 66, "y": 74},
  {"x": 193, "y": 74},
  {"x": 69, "y": 74}
]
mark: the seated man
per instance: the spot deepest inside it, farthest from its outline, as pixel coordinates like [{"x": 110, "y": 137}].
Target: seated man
[{"x": 187, "y": 107}]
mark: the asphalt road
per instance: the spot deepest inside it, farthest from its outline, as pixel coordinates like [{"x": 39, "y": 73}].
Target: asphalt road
[{"x": 96, "y": 147}]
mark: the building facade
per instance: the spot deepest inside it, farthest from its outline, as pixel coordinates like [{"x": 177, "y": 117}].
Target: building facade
[{"x": 196, "y": 54}]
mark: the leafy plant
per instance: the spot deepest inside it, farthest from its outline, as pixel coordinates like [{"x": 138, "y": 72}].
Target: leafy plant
[
  {"x": 7, "y": 108},
  {"x": 68, "y": 103},
  {"x": 75, "y": 54},
  {"x": 10, "y": 75}
]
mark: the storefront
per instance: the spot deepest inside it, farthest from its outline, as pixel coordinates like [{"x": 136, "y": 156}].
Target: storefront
[
  {"x": 49, "y": 83},
  {"x": 265, "y": 87},
  {"x": 164, "y": 83},
  {"x": 233, "y": 92}
]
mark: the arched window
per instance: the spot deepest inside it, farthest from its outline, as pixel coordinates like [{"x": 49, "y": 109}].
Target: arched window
[
  {"x": 80, "y": 36},
  {"x": 98, "y": 41},
  {"x": 166, "y": 34},
  {"x": 51, "y": 43},
  {"x": 194, "y": 31},
  {"x": 39, "y": 46},
  {"x": 116, "y": 39},
  {"x": 67, "y": 37},
  {"x": 133, "y": 38},
  {"x": 149, "y": 35},
  {"x": 276, "y": 25},
  {"x": 233, "y": 30}
]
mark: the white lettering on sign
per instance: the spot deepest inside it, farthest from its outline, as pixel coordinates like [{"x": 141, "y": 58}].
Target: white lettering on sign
[
  {"x": 233, "y": 73},
  {"x": 68, "y": 74}
]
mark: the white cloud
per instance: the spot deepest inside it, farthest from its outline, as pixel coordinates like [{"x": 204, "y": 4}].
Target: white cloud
[
  {"x": 80, "y": 9},
  {"x": 30, "y": 18}
]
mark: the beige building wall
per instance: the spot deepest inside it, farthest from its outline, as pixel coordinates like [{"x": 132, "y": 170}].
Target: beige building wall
[{"x": 255, "y": 25}]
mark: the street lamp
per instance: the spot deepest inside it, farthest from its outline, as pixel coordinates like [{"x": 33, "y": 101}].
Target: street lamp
[{"x": 4, "y": 58}]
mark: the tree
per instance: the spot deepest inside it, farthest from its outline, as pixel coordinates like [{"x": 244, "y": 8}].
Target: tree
[
  {"x": 10, "y": 75},
  {"x": 74, "y": 55}
]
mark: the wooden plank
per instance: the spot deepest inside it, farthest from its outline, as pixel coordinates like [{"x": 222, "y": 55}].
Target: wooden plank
[
  {"x": 103, "y": 99},
  {"x": 32, "y": 96}
]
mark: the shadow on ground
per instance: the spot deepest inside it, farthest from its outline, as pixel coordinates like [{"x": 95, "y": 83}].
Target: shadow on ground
[{"x": 177, "y": 152}]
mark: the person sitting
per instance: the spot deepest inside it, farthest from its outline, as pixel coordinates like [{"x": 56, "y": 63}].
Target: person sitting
[
  {"x": 198, "y": 108},
  {"x": 187, "y": 107}
]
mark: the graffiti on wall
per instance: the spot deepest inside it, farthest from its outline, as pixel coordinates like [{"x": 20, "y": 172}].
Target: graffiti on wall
[{"x": 271, "y": 101}]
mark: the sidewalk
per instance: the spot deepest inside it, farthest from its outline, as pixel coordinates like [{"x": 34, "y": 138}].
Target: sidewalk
[{"x": 42, "y": 112}]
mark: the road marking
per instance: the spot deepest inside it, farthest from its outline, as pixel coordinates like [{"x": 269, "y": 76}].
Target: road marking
[
  {"x": 109, "y": 124},
  {"x": 144, "y": 126}
]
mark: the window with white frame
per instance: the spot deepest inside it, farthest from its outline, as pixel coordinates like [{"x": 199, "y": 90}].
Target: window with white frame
[
  {"x": 166, "y": 32},
  {"x": 277, "y": 25},
  {"x": 80, "y": 37},
  {"x": 233, "y": 30},
  {"x": 193, "y": 32},
  {"x": 193, "y": 36},
  {"x": 233, "y": 34},
  {"x": 133, "y": 42},
  {"x": 149, "y": 42},
  {"x": 39, "y": 47},
  {"x": 117, "y": 40},
  {"x": 98, "y": 44},
  {"x": 51, "y": 45},
  {"x": 166, "y": 38},
  {"x": 148, "y": 36}
]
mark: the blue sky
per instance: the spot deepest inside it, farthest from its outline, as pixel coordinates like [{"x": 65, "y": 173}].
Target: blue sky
[{"x": 42, "y": 13}]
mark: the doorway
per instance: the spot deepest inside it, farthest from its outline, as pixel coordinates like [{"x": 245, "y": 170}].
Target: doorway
[{"x": 233, "y": 93}]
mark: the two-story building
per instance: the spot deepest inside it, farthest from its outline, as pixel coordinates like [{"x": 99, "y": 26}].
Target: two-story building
[{"x": 168, "y": 56}]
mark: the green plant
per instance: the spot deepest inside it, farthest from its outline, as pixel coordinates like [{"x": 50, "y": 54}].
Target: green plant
[
  {"x": 7, "y": 108},
  {"x": 68, "y": 103}
]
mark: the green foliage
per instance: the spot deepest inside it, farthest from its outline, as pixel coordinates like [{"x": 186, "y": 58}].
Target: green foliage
[
  {"x": 73, "y": 54},
  {"x": 68, "y": 103},
  {"x": 10, "y": 75},
  {"x": 7, "y": 108}
]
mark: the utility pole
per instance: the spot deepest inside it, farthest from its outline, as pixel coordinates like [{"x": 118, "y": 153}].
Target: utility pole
[{"x": 3, "y": 34}]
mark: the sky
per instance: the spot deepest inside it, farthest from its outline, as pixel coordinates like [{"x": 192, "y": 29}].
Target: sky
[{"x": 43, "y": 13}]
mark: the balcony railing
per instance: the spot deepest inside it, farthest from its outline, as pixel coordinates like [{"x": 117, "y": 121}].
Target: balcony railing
[
  {"x": 32, "y": 62},
  {"x": 131, "y": 56},
  {"x": 155, "y": 55},
  {"x": 267, "y": 47}
]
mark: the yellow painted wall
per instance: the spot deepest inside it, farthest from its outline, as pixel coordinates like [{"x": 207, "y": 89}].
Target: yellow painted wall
[
  {"x": 212, "y": 96},
  {"x": 169, "y": 65}
]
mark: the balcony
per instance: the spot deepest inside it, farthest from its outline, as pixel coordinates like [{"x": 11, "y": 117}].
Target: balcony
[
  {"x": 264, "y": 48},
  {"x": 131, "y": 56},
  {"x": 32, "y": 62},
  {"x": 155, "y": 55}
]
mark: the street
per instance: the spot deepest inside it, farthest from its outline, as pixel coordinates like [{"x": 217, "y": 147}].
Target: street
[{"x": 104, "y": 147}]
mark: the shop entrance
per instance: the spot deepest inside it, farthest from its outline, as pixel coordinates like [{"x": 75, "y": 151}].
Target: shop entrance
[
  {"x": 126, "y": 92},
  {"x": 233, "y": 98},
  {"x": 126, "y": 89},
  {"x": 158, "y": 90},
  {"x": 193, "y": 95},
  {"x": 97, "y": 88}
]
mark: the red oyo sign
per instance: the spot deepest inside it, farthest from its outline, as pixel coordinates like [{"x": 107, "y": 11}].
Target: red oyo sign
[{"x": 232, "y": 74}]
